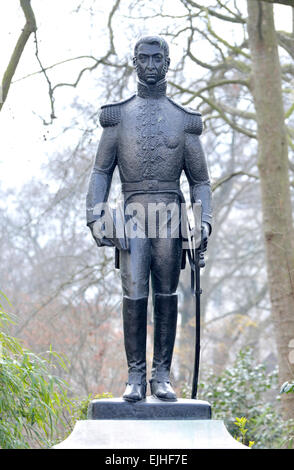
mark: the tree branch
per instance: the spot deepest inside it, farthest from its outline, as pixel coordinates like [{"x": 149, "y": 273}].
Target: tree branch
[
  {"x": 243, "y": 310},
  {"x": 289, "y": 3},
  {"x": 30, "y": 27},
  {"x": 103, "y": 60},
  {"x": 210, "y": 11},
  {"x": 55, "y": 65},
  {"x": 238, "y": 112},
  {"x": 286, "y": 41},
  {"x": 222, "y": 114},
  {"x": 226, "y": 178},
  {"x": 218, "y": 83},
  {"x": 217, "y": 107}
]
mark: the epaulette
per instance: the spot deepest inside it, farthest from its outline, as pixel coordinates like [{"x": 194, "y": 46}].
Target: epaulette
[
  {"x": 192, "y": 119},
  {"x": 111, "y": 113}
]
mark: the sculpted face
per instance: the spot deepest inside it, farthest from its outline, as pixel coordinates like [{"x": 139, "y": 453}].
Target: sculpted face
[{"x": 151, "y": 63}]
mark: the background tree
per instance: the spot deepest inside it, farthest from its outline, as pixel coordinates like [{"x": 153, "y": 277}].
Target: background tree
[{"x": 274, "y": 177}]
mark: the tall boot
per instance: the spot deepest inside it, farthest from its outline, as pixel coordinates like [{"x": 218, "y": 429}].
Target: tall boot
[
  {"x": 165, "y": 325},
  {"x": 135, "y": 331}
]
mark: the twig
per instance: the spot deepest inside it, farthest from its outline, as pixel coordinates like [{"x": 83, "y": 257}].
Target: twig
[
  {"x": 52, "y": 114},
  {"x": 55, "y": 65}
]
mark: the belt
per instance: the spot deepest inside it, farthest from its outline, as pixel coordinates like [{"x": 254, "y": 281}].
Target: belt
[{"x": 150, "y": 185}]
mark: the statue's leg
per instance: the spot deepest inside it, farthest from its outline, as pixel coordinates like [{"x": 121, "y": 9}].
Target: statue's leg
[
  {"x": 135, "y": 269},
  {"x": 134, "y": 321},
  {"x": 165, "y": 272}
]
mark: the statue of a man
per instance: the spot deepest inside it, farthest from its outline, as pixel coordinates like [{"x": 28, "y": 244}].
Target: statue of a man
[{"x": 152, "y": 140}]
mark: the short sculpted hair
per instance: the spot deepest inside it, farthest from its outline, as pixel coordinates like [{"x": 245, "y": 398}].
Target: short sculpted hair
[{"x": 152, "y": 40}]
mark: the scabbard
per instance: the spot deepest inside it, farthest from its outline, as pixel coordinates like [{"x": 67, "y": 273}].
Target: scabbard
[{"x": 197, "y": 293}]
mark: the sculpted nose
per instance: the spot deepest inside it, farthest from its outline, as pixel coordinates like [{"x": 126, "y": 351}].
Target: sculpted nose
[{"x": 150, "y": 64}]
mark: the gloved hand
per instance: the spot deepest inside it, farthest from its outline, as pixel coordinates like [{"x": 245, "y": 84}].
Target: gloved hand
[
  {"x": 121, "y": 243},
  {"x": 98, "y": 235}
]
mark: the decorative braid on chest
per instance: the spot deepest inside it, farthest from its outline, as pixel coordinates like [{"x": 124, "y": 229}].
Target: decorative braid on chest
[{"x": 150, "y": 120}]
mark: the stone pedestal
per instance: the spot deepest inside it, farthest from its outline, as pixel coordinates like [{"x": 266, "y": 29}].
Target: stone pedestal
[
  {"x": 151, "y": 408},
  {"x": 149, "y": 424}
]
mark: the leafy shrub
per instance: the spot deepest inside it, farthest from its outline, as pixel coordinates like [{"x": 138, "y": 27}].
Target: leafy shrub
[
  {"x": 243, "y": 390},
  {"x": 240, "y": 424},
  {"x": 33, "y": 402}
]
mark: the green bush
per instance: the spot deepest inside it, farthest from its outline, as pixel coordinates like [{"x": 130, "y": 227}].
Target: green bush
[
  {"x": 34, "y": 403},
  {"x": 244, "y": 390}
]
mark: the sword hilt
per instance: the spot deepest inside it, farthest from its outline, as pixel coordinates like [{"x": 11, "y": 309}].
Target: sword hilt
[{"x": 201, "y": 260}]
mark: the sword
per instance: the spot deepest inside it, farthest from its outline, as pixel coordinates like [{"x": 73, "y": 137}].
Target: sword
[{"x": 197, "y": 261}]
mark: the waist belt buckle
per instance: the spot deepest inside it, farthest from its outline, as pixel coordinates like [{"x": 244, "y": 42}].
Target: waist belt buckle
[{"x": 152, "y": 185}]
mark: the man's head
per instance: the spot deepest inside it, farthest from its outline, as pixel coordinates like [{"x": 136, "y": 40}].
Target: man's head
[{"x": 151, "y": 59}]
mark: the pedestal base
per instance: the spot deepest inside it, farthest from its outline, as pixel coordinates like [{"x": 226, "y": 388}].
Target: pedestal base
[
  {"x": 151, "y": 408},
  {"x": 150, "y": 434},
  {"x": 149, "y": 424}
]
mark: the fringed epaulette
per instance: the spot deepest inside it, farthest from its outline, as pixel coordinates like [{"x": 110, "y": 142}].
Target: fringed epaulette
[
  {"x": 192, "y": 119},
  {"x": 111, "y": 113}
]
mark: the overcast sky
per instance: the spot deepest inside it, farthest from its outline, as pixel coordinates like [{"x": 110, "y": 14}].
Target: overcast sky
[{"x": 25, "y": 142}]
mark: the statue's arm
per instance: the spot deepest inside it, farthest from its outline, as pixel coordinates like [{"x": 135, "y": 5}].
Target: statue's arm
[
  {"x": 101, "y": 176},
  {"x": 196, "y": 169},
  {"x": 105, "y": 163}
]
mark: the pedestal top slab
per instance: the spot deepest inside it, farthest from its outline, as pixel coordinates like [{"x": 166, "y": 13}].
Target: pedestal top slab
[{"x": 150, "y": 408}]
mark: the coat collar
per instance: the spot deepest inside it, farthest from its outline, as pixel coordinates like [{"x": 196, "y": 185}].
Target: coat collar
[{"x": 151, "y": 91}]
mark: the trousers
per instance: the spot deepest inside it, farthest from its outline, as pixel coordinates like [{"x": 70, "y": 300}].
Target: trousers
[{"x": 157, "y": 257}]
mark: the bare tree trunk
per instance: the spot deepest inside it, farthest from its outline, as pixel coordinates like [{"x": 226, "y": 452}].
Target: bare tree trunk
[{"x": 274, "y": 180}]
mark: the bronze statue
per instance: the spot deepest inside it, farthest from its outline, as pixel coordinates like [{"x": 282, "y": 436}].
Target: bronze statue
[{"x": 152, "y": 139}]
